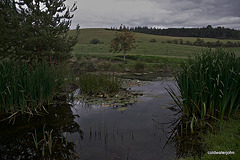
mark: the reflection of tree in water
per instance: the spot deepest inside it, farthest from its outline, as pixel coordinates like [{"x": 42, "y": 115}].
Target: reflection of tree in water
[{"x": 16, "y": 141}]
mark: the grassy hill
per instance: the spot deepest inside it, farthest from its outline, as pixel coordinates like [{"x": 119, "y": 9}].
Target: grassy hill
[
  {"x": 156, "y": 57},
  {"x": 145, "y": 47}
]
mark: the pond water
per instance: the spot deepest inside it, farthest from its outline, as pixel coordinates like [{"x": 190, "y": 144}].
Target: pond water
[{"x": 87, "y": 132}]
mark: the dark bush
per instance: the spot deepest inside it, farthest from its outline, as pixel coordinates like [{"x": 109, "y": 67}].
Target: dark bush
[
  {"x": 188, "y": 43},
  {"x": 181, "y": 41},
  {"x": 94, "y": 41},
  {"x": 199, "y": 42},
  {"x": 175, "y": 41},
  {"x": 218, "y": 44},
  {"x": 153, "y": 40},
  {"x": 132, "y": 57}
]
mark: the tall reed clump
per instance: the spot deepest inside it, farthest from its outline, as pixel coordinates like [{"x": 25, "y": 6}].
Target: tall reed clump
[
  {"x": 24, "y": 87},
  {"x": 209, "y": 86},
  {"x": 93, "y": 84}
]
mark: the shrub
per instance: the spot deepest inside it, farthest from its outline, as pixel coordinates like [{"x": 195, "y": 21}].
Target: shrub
[
  {"x": 175, "y": 41},
  {"x": 210, "y": 44},
  {"x": 85, "y": 65},
  {"x": 94, "y": 41},
  {"x": 229, "y": 44},
  {"x": 24, "y": 87},
  {"x": 188, "y": 42},
  {"x": 180, "y": 41},
  {"x": 139, "y": 66},
  {"x": 131, "y": 57},
  {"x": 92, "y": 84},
  {"x": 105, "y": 66},
  {"x": 199, "y": 42},
  {"x": 153, "y": 40},
  {"x": 218, "y": 43},
  {"x": 210, "y": 85}
]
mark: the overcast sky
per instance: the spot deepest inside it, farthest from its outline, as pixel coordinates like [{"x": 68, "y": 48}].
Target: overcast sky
[{"x": 156, "y": 13}]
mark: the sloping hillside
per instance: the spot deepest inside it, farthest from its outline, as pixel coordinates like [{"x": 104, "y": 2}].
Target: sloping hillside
[{"x": 158, "y": 48}]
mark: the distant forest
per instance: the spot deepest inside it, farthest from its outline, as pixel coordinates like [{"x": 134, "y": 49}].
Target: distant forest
[{"x": 205, "y": 32}]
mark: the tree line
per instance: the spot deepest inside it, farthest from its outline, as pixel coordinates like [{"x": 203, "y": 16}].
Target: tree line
[{"x": 204, "y": 32}]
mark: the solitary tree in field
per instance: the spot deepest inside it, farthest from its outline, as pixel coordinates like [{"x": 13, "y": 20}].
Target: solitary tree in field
[
  {"x": 36, "y": 30},
  {"x": 123, "y": 41}
]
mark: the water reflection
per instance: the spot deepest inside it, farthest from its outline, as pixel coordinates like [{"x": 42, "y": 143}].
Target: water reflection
[
  {"x": 114, "y": 133},
  {"x": 109, "y": 132},
  {"x": 17, "y": 141},
  {"x": 187, "y": 143}
]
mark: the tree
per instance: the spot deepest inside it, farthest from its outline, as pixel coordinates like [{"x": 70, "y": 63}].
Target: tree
[
  {"x": 8, "y": 26},
  {"x": 123, "y": 41},
  {"x": 40, "y": 30}
]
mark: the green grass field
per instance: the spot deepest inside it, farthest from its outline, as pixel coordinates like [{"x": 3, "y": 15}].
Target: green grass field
[
  {"x": 156, "y": 56},
  {"x": 144, "y": 46}
]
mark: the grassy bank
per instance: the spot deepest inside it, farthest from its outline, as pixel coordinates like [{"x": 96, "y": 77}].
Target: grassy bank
[
  {"x": 133, "y": 63},
  {"x": 209, "y": 99},
  {"x": 226, "y": 138}
]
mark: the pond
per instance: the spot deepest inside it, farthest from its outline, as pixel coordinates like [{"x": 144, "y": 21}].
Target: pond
[{"x": 88, "y": 132}]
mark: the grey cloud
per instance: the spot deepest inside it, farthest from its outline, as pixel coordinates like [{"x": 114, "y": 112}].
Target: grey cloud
[{"x": 159, "y": 13}]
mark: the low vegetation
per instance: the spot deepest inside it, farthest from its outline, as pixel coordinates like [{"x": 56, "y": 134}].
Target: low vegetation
[
  {"x": 153, "y": 40},
  {"x": 209, "y": 104},
  {"x": 94, "y": 41},
  {"x": 92, "y": 84},
  {"x": 25, "y": 88},
  {"x": 133, "y": 63},
  {"x": 139, "y": 66},
  {"x": 209, "y": 87}
]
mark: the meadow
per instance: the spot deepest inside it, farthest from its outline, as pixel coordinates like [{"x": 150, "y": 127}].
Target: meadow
[
  {"x": 145, "y": 47},
  {"x": 157, "y": 56}
]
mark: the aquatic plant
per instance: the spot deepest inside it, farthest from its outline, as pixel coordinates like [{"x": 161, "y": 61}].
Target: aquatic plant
[
  {"x": 209, "y": 86},
  {"x": 47, "y": 141},
  {"x": 100, "y": 84},
  {"x": 25, "y": 88},
  {"x": 50, "y": 144}
]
